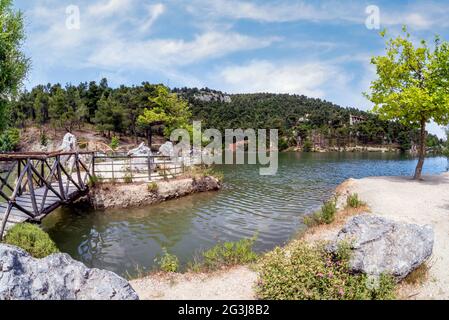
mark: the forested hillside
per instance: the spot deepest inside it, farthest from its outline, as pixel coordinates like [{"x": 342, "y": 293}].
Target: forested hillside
[{"x": 302, "y": 121}]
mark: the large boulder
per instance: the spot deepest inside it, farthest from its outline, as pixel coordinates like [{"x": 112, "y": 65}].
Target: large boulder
[
  {"x": 382, "y": 246},
  {"x": 167, "y": 149},
  {"x": 68, "y": 143},
  {"x": 56, "y": 277},
  {"x": 139, "y": 164}
]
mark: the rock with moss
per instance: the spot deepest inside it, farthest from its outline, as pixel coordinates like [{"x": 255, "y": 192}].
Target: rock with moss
[
  {"x": 56, "y": 277},
  {"x": 381, "y": 246}
]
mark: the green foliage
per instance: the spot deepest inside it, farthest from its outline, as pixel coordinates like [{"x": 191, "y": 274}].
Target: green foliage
[
  {"x": 43, "y": 138},
  {"x": 303, "y": 271},
  {"x": 13, "y": 63},
  {"x": 353, "y": 201},
  {"x": 226, "y": 254},
  {"x": 307, "y": 146},
  {"x": 325, "y": 215},
  {"x": 128, "y": 178},
  {"x": 94, "y": 180},
  {"x": 115, "y": 143},
  {"x": 9, "y": 140},
  {"x": 412, "y": 85},
  {"x": 150, "y": 109},
  {"x": 152, "y": 187},
  {"x": 32, "y": 239},
  {"x": 167, "y": 262}
]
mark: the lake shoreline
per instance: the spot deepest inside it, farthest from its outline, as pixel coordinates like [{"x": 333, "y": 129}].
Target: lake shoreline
[
  {"x": 124, "y": 196},
  {"x": 402, "y": 204}
]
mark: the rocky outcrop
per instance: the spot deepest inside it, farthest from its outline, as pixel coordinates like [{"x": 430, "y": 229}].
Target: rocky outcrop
[
  {"x": 56, "y": 277},
  {"x": 106, "y": 196},
  {"x": 382, "y": 246}
]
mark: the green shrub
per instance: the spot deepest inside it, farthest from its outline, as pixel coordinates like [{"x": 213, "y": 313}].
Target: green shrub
[
  {"x": 325, "y": 215},
  {"x": 167, "y": 262},
  {"x": 128, "y": 178},
  {"x": 152, "y": 187},
  {"x": 115, "y": 142},
  {"x": 226, "y": 254},
  {"x": 94, "y": 180},
  {"x": 307, "y": 146},
  {"x": 9, "y": 140},
  {"x": 43, "y": 139},
  {"x": 32, "y": 239},
  {"x": 303, "y": 271},
  {"x": 353, "y": 201}
]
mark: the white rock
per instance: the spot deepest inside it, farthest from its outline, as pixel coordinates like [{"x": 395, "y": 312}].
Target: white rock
[{"x": 56, "y": 277}]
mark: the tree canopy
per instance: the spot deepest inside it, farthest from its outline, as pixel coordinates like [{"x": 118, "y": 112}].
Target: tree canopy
[
  {"x": 412, "y": 85},
  {"x": 13, "y": 63}
]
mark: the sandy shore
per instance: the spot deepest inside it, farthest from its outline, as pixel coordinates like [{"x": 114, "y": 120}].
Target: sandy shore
[
  {"x": 397, "y": 198},
  {"x": 231, "y": 284}
]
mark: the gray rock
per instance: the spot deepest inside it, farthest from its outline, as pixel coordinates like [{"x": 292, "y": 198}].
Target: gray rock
[
  {"x": 68, "y": 143},
  {"x": 167, "y": 149},
  {"x": 141, "y": 150},
  {"x": 56, "y": 277},
  {"x": 381, "y": 246}
]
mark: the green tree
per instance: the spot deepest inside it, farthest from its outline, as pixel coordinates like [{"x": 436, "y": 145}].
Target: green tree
[
  {"x": 13, "y": 63},
  {"x": 109, "y": 115},
  {"x": 168, "y": 109},
  {"x": 151, "y": 118},
  {"x": 412, "y": 86}
]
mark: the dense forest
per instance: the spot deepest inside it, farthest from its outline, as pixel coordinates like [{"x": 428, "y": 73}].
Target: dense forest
[{"x": 301, "y": 121}]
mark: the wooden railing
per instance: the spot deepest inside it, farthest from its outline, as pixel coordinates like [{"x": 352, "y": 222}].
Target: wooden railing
[
  {"x": 123, "y": 168},
  {"x": 36, "y": 183}
]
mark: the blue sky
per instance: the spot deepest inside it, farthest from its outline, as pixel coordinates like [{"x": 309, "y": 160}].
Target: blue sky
[{"x": 317, "y": 48}]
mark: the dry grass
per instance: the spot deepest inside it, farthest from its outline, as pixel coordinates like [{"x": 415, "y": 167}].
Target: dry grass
[{"x": 327, "y": 231}]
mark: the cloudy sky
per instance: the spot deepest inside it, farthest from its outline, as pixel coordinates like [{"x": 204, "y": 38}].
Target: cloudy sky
[{"x": 317, "y": 48}]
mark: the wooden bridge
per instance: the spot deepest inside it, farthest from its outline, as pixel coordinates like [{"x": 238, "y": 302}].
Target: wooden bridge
[{"x": 35, "y": 184}]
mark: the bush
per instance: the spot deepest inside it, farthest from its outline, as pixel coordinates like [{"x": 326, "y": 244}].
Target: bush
[
  {"x": 43, "y": 139},
  {"x": 94, "y": 180},
  {"x": 167, "y": 262},
  {"x": 9, "y": 140},
  {"x": 32, "y": 239},
  {"x": 152, "y": 187},
  {"x": 353, "y": 201},
  {"x": 226, "y": 254},
  {"x": 308, "y": 272},
  {"x": 115, "y": 142},
  {"x": 128, "y": 178},
  {"x": 325, "y": 215},
  {"x": 307, "y": 146}
]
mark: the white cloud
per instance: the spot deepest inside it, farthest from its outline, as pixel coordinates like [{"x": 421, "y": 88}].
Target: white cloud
[
  {"x": 278, "y": 11},
  {"x": 415, "y": 15},
  {"x": 311, "y": 78},
  {"x": 158, "y": 53},
  {"x": 108, "y": 8},
  {"x": 154, "y": 12}
]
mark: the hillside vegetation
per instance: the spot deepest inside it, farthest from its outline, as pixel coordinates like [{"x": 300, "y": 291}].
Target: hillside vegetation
[{"x": 302, "y": 122}]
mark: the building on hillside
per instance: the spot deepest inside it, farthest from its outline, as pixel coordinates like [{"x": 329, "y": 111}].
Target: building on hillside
[{"x": 353, "y": 120}]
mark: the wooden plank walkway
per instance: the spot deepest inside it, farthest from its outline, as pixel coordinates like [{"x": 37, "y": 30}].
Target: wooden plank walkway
[
  {"x": 52, "y": 202},
  {"x": 38, "y": 183}
]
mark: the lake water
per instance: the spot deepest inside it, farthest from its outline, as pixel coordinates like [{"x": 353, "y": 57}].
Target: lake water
[{"x": 272, "y": 206}]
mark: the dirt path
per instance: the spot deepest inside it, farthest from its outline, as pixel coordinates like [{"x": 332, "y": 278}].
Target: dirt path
[
  {"x": 231, "y": 284},
  {"x": 420, "y": 202}
]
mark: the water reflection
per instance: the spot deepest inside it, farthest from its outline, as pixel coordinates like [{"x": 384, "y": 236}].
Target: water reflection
[{"x": 273, "y": 206}]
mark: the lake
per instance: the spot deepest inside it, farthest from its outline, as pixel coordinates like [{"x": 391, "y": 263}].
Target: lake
[{"x": 126, "y": 240}]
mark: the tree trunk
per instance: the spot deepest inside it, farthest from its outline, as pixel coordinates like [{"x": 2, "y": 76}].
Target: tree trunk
[
  {"x": 149, "y": 137},
  {"x": 421, "y": 151}
]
